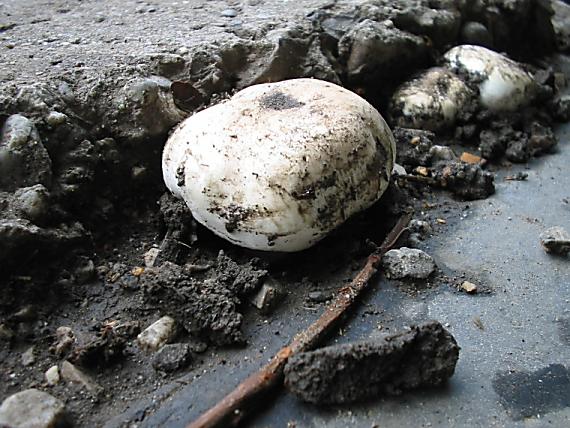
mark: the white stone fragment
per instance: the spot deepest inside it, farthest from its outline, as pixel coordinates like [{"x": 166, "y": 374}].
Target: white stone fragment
[
  {"x": 32, "y": 409},
  {"x": 280, "y": 165},
  {"x": 503, "y": 84},
  {"x": 52, "y": 376},
  {"x": 157, "y": 334},
  {"x": 430, "y": 101}
]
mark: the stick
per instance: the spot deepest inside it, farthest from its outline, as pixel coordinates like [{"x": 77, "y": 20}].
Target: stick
[{"x": 234, "y": 406}]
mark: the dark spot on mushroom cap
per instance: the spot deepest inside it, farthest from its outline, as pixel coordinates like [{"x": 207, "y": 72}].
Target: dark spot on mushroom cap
[{"x": 277, "y": 100}]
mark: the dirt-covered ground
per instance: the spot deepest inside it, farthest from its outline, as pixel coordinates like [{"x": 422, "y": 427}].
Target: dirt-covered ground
[{"x": 93, "y": 249}]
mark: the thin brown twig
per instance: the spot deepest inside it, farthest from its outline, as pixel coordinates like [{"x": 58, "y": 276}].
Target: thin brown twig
[{"x": 236, "y": 405}]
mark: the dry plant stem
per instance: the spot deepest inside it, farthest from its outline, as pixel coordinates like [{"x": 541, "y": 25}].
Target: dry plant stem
[{"x": 233, "y": 407}]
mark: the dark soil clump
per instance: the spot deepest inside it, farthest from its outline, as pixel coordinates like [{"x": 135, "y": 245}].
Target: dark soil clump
[{"x": 424, "y": 356}]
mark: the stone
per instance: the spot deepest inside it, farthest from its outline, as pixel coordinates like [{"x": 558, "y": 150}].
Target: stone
[
  {"x": 375, "y": 51},
  {"x": 475, "y": 33},
  {"x": 150, "y": 257},
  {"x": 32, "y": 409},
  {"x": 172, "y": 357},
  {"x": 28, "y": 357},
  {"x": 64, "y": 341},
  {"x": 56, "y": 118},
  {"x": 319, "y": 296},
  {"x": 442, "y": 153},
  {"x": 157, "y": 334},
  {"x": 469, "y": 287},
  {"x": 74, "y": 375},
  {"x": 24, "y": 161},
  {"x": 229, "y": 13},
  {"x": 85, "y": 271},
  {"x": 408, "y": 263},
  {"x": 555, "y": 240},
  {"x": 52, "y": 376},
  {"x": 33, "y": 203},
  {"x": 267, "y": 297}
]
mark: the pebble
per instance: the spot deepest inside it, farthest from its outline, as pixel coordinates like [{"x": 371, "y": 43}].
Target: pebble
[
  {"x": 229, "y": 13},
  {"x": 555, "y": 240},
  {"x": 85, "y": 271},
  {"x": 319, "y": 296},
  {"x": 150, "y": 257},
  {"x": 32, "y": 409},
  {"x": 475, "y": 33},
  {"x": 157, "y": 334},
  {"x": 469, "y": 287},
  {"x": 172, "y": 357},
  {"x": 28, "y": 357},
  {"x": 408, "y": 263},
  {"x": 72, "y": 374},
  {"x": 56, "y": 118},
  {"x": 267, "y": 297},
  {"x": 442, "y": 153},
  {"x": 64, "y": 340},
  {"x": 33, "y": 203},
  {"x": 52, "y": 376}
]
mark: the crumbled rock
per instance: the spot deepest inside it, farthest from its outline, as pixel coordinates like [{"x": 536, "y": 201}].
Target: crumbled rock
[
  {"x": 24, "y": 161},
  {"x": 157, "y": 334},
  {"x": 28, "y": 357},
  {"x": 469, "y": 287},
  {"x": 150, "y": 257},
  {"x": 52, "y": 375},
  {"x": 267, "y": 297},
  {"x": 405, "y": 263},
  {"x": 466, "y": 181},
  {"x": 442, "y": 154},
  {"x": 33, "y": 203},
  {"x": 108, "y": 347},
  {"x": 64, "y": 340},
  {"x": 32, "y": 409},
  {"x": 74, "y": 375},
  {"x": 555, "y": 240},
  {"x": 377, "y": 51},
  {"x": 425, "y": 355},
  {"x": 180, "y": 227},
  {"x": 85, "y": 270},
  {"x": 413, "y": 146},
  {"x": 318, "y": 296},
  {"x": 541, "y": 140},
  {"x": 172, "y": 357}
]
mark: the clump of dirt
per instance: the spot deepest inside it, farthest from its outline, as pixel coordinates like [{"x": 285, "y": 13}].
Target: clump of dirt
[
  {"x": 425, "y": 355},
  {"x": 209, "y": 308},
  {"x": 468, "y": 181}
]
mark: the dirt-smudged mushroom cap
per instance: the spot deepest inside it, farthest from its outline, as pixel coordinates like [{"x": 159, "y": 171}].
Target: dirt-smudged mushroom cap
[
  {"x": 430, "y": 101},
  {"x": 503, "y": 84},
  {"x": 280, "y": 165}
]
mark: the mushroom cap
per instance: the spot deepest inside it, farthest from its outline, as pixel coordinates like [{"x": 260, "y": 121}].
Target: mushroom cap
[
  {"x": 430, "y": 101},
  {"x": 503, "y": 84},
  {"x": 280, "y": 165}
]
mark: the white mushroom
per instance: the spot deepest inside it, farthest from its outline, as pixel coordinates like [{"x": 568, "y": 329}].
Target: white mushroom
[
  {"x": 430, "y": 101},
  {"x": 503, "y": 84},
  {"x": 280, "y": 165}
]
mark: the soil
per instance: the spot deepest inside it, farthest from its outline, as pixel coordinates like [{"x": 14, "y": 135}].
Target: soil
[
  {"x": 424, "y": 356},
  {"x": 91, "y": 90}
]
